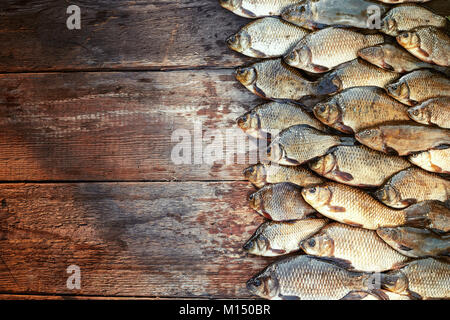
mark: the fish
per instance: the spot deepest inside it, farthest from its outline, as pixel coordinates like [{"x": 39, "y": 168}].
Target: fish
[
  {"x": 257, "y": 38},
  {"x": 300, "y": 143},
  {"x": 402, "y": 1},
  {"x": 403, "y": 138},
  {"x": 319, "y": 14},
  {"x": 394, "y": 58},
  {"x": 420, "y": 279},
  {"x": 406, "y": 17},
  {"x": 268, "y": 119},
  {"x": 357, "y": 208},
  {"x": 389, "y": 294},
  {"x": 418, "y": 86},
  {"x": 356, "y": 73},
  {"x": 358, "y": 166},
  {"x": 325, "y": 49},
  {"x": 429, "y": 44},
  {"x": 361, "y": 249},
  {"x": 436, "y": 213},
  {"x": 434, "y": 111},
  {"x": 273, "y": 79},
  {"x": 413, "y": 185},
  {"x": 278, "y": 238},
  {"x": 256, "y": 8},
  {"x": 262, "y": 174},
  {"x": 414, "y": 242},
  {"x": 280, "y": 202},
  {"x": 311, "y": 278},
  {"x": 361, "y": 107},
  {"x": 436, "y": 160}
]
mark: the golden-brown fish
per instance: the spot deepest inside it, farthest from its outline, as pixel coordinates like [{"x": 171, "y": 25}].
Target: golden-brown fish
[
  {"x": 416, "y": 243},
  {"x": 418, "y": 86},
  {"x": 436, "y": 213},
  {"x": 277, "y": 238},
  {"x": 257, "y": 38},
  {"x": 389, "y": 294},
  {"x": 256, "y": 8},
  {"x": 263, "y": 173},
  {"x": 356, "y": 73},
  {"x": 273, "y": 79},
  {"x": 394, "y": 58},
  {"x": 318, "y": 14},
  {"x": 432, "y": 160},
  {"x": 429, "y": 44},
  {"x": 413, "y": 185},
  {"x": 358, "y": 166},
  {"x": 420, "y": 279},
  {"x": 401, "y": 1},
  {"x": 357, "y": 108},
  {"x": 300, "y": 143},
  {"x": 269, "y": 119},
  {"x": 311, "y": 278},
  {"x": 434, "y": 111},
  {"x": 362, "y": 249},
  {"x": 325, "y": 49},
  {"x": 280, "y": 202},
  {"x": 355, "y": 207},
  {"x": 403, "y": 138},
  {"x": 406, "y": 17}
]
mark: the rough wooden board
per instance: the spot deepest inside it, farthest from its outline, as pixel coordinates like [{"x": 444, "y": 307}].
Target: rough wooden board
[
  {"x": 178, "y": 239},
  {"x": 115, "y": 125},
  {"x": 116, "y": 35}
]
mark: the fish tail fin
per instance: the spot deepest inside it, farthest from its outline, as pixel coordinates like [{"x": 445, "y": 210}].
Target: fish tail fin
[
  {"x": 347, "y": 141},
  {"x": 416, "y": 216}
]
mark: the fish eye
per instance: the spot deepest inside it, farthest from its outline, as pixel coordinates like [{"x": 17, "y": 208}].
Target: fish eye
[
  {"x": 312, "y": 242},
  {"x": 415, "y": 112},
  {"x": 312, "y": 190},
  {"x": 257, "y": 282},
  {"x": 269, "y": 150},
  {"x": 322, "y": 108},
  {"x": 405, "y": 35},
  {"x": 252, "y": 196}
]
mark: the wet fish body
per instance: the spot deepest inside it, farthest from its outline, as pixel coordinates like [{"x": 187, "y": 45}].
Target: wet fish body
[
  {"x": 278, "y": 238},
  {"x": 435, "y": 111},
  {"x": 403, "y": 138},
  {"x": 437, "y": 160},
  {"x": 325, "y": 49},
  {"x": 266, "y": 38},
  {"x": 273, "y": 79},
  {"x": 269, "y": 173},
  {"x": 310, "y": 278},
  {"x": 414, "y": 242},
  {"x": 361, "y": 249},
  {"x": 419, "y": 86},
  {"x": 298, "y": 144},
  {"x": 429, "y": 44},
  {"x": 269, "y": 119},
  {"x": 357, "y": 108},
  {"x": 413, "y": 185},
  {"x": 358, "y": 166},
  {"x": 256, "y": 8},
  {"x": 280, "y": 202}
]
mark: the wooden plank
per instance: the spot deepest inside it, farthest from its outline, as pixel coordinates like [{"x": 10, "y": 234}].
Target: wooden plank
[
  {"x": 178, "y": 239},
  {"x": 116, "y": 35},
  {"x": 116, "y": 125}
]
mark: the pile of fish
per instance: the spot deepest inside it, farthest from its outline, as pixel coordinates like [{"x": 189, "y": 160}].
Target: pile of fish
[{"x": 355, "y": 185}]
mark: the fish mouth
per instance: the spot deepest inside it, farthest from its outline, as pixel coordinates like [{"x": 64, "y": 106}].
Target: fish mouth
[{"x": 248, "y": 245}]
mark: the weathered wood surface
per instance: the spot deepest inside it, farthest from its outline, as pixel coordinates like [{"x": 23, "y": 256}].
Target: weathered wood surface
[
  {"x": 115, "y": 125},
  {"x": 179, "y": 239},
  {"x": 116, "y": 35}
]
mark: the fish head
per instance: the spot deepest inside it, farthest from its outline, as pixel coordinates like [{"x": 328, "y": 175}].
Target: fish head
[
  {"x": 374, "y": 55},
  {"x": 256, "y": 174},
  {"x": 327, "y": 112},
  {"x": 299, "y": 57},
  {"x": 409, "y": 40},
  {"x": 317, "y": 196},
  {"x": 388, "y": 195},
  {"x": 295, "y": 13},
  {"x": 240, "y": 41},
  {"x": 323, "y": 165},
  {"x": 395, "y": 281},
  {"x": 258, "y": 244},
  {"x": 246, "y": 75},
  {"x": 249, "y": 121},
  {"x": 275, "y": 152},
  {"x": 371, "y": 137},
  {"x": 265, "y": 284},
  {"x": 255, "y": 201},
  {"x": 389, "y": 234},
  {"x": 420, "y": 114},
  {"x": 389, "y": 26},
  {"x": 231, "y": 4},
  {"x": 319, "y": 245},
  {"x": 399, "y": 90}
]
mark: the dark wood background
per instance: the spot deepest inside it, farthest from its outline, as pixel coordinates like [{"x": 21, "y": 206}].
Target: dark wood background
[{"x": 86, "y": 118}]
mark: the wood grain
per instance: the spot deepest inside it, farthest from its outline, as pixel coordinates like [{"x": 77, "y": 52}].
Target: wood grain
[
  {"x": 124, "y": 34},
  {"x": 110, "y": 126},
  {"x": 178, "y": 239}
]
